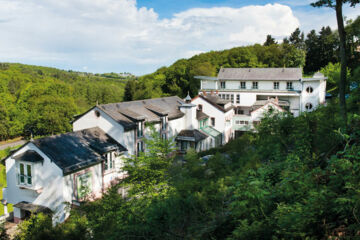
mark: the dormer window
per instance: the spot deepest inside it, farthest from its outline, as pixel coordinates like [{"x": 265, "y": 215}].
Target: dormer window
[
  {"x": 163, "y": 123},
  {"x": 25, "y": 174},
  {"x": 200, "y": 107},
  {"x": 109, "y": 163},
  {"x": 140, "y": 129}
]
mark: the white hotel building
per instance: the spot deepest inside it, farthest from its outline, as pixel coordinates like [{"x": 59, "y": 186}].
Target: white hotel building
[
  {"x": 47, "y": 174},
  {"x": 252, "y": 89}
]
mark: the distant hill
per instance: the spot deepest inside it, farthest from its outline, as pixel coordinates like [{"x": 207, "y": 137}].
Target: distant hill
[{"x": 43, "y": 100}]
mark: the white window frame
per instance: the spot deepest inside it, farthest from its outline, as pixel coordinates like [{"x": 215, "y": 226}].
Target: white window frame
[
  {"x": 232, "y": 98},
  {"x": 109, "y": 163},
  {"x": 25, "y": 175},
  {"x": 242, "y": 85},
  {"x": 237, "y": 98},
  {"x": 140, "y": 129},
  {"x": 276, "y": 85},
  {"x": 289, "y": 86},
  {"x": 222, "y": 85},
  {"x": 255, "y": 85}
]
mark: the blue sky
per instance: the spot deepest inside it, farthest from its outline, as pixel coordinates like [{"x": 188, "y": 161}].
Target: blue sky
[{"x": 141, "y": 36}]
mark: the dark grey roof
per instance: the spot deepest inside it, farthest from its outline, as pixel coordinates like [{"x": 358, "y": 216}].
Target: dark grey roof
[
  {"x": 260, "y": 74},
  {"x": 200, "y": 115},
  {"x": 150, "y": 109},
  {"x": 29, "y": 156},
  {"x": 191, "y": 135},
  {"x": 77, "y": 150},
  {"x": 34, "y": 208}
]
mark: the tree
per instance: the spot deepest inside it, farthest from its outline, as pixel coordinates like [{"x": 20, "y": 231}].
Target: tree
[
  {"x": 269, "y": 40},
  {"x": 297, "y": 39},
  {"x": 337, "y": 5}
]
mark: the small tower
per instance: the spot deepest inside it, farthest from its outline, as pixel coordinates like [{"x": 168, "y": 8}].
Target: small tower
[{"x": 188, "y": 98}]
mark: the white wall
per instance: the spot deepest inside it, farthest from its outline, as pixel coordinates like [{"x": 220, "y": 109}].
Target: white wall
[
  {"x": 47, "y": 179},
  {"x": 313, "y": 97},
  {"x": 220, "y": 117},
  {"x": 109, "y": 126}
]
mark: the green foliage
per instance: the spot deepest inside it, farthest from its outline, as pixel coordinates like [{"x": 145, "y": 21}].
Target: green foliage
[
  {"x": 296, "y": 178},
  {"x": 42, "y": 100},
  {"x": 178, "y": 78}
]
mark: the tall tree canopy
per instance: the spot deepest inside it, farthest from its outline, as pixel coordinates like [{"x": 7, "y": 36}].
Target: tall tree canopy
[{"x": 337, "y": 5}]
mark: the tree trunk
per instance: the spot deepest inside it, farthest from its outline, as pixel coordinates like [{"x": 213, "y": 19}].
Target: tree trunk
[{"x": 342, "y": 84}]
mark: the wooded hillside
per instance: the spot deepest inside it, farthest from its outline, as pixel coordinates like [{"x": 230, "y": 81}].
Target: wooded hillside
[{"x": 41, "y": 101}]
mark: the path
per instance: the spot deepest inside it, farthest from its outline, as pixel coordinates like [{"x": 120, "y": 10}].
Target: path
[{"x": 12, "y": 144}]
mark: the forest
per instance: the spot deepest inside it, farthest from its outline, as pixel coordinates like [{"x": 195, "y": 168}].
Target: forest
[{"x": 41, "y": 101}]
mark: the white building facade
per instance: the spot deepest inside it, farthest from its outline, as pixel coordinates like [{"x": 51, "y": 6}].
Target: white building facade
[
  {"x": 51, "y": 173},
  {"x": 250, "y": 88}
]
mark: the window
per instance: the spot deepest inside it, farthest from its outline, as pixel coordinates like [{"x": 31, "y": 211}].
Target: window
[
  {"x": 222, "y": 85},
  {"x": 237, "y": 98},
  {"x": 25, "y": 174},
  {"x": 184, "y": 145},
  {"x": 227, "y": 96},
  {"x": 200, "y": 107},
  {"x": 140, "y": 130},
  {"x": 139, "y": 148},
  {"x": 163, "y": 123},
  {"x": 309, "y": 89},
  {"x": 289, "y": 86},
  {"x": 213, "y": 122},
  {"x": 84, "y": 185},
  {"x": 109, "y": 163},
  {"x": 308, "y": 106},
  {"x": 255, "y": 85},
  {"x": 232, "y": 98},
  {"x": 276, "y": 85},
  {"x": 238, "y": 122},
  {"x": 243, "y": 85}
]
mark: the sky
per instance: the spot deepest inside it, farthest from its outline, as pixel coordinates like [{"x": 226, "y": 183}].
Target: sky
[{"x": 139, "y": 36}]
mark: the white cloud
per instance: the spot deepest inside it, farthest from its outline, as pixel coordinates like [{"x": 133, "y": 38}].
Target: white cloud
[{"x": 116, "y": 35}]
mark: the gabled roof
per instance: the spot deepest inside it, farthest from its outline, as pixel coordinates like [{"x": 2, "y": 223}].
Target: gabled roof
[
  {"x": 216, "y": 101},
  {"x": 191, "y": 135},
  {"x": 127, "y": 113},
  {"x": 29, "y": 156},
  {"x": 200, "y": 115},
  {"x": 77, "y": 150},
  {"x": 260, "y": 74}
]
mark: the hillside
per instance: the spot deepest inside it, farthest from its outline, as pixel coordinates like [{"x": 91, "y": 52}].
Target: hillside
[
  {"x": 42, "y": 100},
  {"x": 312, "y": 52}
]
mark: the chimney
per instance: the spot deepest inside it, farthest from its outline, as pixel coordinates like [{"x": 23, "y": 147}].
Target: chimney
[
  {"x": 217, "y": 92},
  {"x": 276, "y": 100},
  {"x": 204, "y": 93}
]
